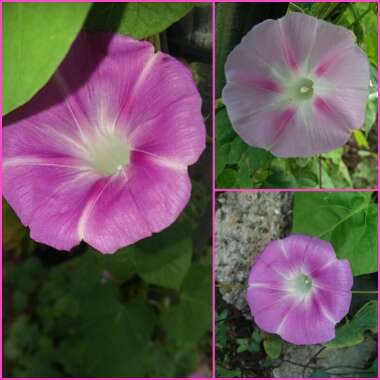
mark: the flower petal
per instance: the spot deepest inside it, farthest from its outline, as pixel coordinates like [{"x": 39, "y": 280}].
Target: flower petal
[
  {"x": 336, "y": 276},
  {"x": 266, "y": 102},
  {"x": 47, "y": 195},
  {"x": 274, "y": 258},
  {"x": 268, "y": 41},
  {"x": 295, "y": 25},
  {"x": 330, "y": 41},
  {"x": 269, "y": 307},
  {"x": 111, "y": 219},
  {"x": 246, "y": 103},
  {"x": 313, "y": 40},
  {"x": 114, "y": 66},
  {"x": 347, "y": 102},
  {"x": 265, "y": 275},
  {"x": 293, "y": 253},
  {"x": 147, "y": 199},
  {"x": 84, "y": 95},
  {"x": 165, "y": 116},
  {"x": 335, "y": 305},
  {"x": 283, "y": 302},
  {"x": 33, "y": 137},
  {"x": 315, "y": 128},
  {"x": 262, "y": 128},
  {"x": 242, "y": 66},
  {"x": 108, "y": 87},
  {"x": 176, "y": 134},
  {"x": 306, "y": 323}
]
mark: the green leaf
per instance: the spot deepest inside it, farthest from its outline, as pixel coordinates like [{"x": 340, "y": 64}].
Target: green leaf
[
  {"x": 224, "y": 131},
  {"x": 36, "y": 38},
  {"x": 365, "y": 176},
  {"x": 352, "y": 332},
  {"x": 305, "y": 173},
  {"x": 14, "y": 232},
  {"x": 221, "y": 336},
  {"x": 347, "y": 220},
  {"x": 196, "y": 208},
  {"x": 336, "y": 169},
  {"x": 256, "y": 336},
  {"x": 108, "y": 334},
  {"x": 374, "y": 368},
  {"x": 242, "y": 345},
  {"x": 120, "y": 266},
  {"x": 238, "y": 148},
  {"x": 138, "y": 20},
  {"x": 228, "y": 373},
  {"x": 358, "y": 234},
  {"x": 116, "y": 343},
  {"x": 370, "y": 115},
  {"x": 224, "y": 137},
  {"x": 273, "y": 346},
  {"x": 360, "y": 138},
  {"x": 222, "y": 316},
  {"x": 222, "y": 155},
  {"x": 232, "y": 150},
  {"x": 20, "y": 301},
  {"x": 227, "y": 179},
  {"x": 245, "y": 180},
  {"x": 190, "y": 319},
  {"x": 23, "y": 337},
  {"x": 165, "y": 258}
]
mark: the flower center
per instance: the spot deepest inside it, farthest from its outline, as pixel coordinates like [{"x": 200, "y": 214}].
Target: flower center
[
  {"x": 109, "y": 153},
  {"x": 303, "y": 89},
  {"x": 303, "y": 284}
]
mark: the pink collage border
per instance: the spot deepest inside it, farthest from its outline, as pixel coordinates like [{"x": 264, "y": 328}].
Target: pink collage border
[{"x": 214, "y": 189}]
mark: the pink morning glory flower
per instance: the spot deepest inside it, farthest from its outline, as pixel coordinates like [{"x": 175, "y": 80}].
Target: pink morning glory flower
[
  {"x": 299, "y": 290},
  {"x": 101, "y": 153},
  {"x": 296, "y": 86}
]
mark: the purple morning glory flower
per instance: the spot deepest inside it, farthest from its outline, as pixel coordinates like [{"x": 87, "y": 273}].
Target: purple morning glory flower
[
  {"x": 296, "y": 86},
  {"x": 101, "y": 153},
  {"x": 299, "y": 290}
]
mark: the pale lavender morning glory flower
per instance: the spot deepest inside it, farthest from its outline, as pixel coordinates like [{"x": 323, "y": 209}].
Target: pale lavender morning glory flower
[
  {"x": 299, "y": 290},
  {"x": 101, "y": 153},
  {"x": 296, "y": 86}
]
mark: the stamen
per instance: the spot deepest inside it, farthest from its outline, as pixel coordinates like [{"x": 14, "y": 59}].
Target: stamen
[{"x": 108, "y": 153}]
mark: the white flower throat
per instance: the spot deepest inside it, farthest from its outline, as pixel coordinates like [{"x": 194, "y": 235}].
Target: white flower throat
[
  {"x": 108, "y": 153},
  {"x": 300, "y": 284},
  {"x": 303, "y": 283},
  {"x": 302, "y": 89}
]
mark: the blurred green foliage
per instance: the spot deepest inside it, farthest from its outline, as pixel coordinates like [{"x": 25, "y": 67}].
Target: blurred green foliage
[
  {"x": 239, "y": 165},
  {"x": 144, "y": 311}
]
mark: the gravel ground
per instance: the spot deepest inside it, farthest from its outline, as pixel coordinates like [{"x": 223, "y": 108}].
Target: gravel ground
[{"x": 245, "y": 224}]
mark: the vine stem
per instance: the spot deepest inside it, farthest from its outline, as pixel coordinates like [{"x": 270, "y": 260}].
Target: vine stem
[
  {"x": 358, "y": 19},
  {"x": 297, "y": 7},
  {"x": 314, "y": 357},
  {"x": 234, "y": 286},
  {"x": 364, "y": 291}
]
